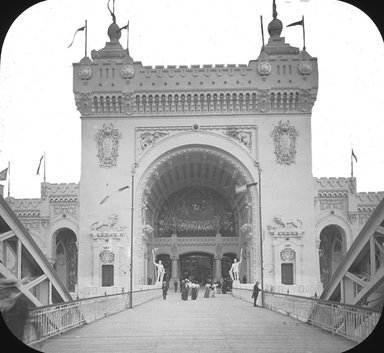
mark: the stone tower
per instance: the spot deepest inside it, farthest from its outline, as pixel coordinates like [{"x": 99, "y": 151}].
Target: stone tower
[{"x": 183, "y": 139}]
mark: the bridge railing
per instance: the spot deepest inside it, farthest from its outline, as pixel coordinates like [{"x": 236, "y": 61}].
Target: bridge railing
[
  {"x": 51, "y": 320},
  {"x": 349, "y": 321}
]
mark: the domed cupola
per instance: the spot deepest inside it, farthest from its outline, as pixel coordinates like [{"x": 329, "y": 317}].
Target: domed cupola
[{"x": 275, "y": 27}]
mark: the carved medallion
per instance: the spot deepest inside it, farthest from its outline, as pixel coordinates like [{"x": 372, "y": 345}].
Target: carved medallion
[
  {"x": 85, "y": 72},
  {"x": 127, "y": 71},
  {"x": 107, "y": 140},
  {"x": 107, "y": 256},
  {"x": 305, "y": 67},
  {"x": 287, "y": 255},
  {"x": 284, "y": 138},
  {"x": 264, "y": 68}
]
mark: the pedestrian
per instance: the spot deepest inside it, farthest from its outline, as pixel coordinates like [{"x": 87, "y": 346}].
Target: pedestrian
[
  {"x": 175, "y": 283},
  {"x": 255, "y": 293},
  {"x": 164, "y": 287}
]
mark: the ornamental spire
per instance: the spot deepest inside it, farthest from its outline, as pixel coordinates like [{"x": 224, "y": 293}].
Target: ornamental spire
[{"x": 274, "y": 12}]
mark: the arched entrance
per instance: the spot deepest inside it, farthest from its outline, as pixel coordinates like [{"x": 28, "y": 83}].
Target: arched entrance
[
  {"x": 197, "y": 267},
  {"x": 66, "y": 258},
  {"x": 190, "y": 207},
  {"x": 331, "y": 251}
]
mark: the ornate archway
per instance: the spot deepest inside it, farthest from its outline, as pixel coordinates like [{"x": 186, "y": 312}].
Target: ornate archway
[
  {"x": 331, "y": 251},
  {"x": 189, "y": 205},
  {"x": 66, "y": 255}
]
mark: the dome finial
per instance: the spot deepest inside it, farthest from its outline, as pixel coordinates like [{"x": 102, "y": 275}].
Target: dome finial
[
  {"x": 274, "y": 12},
  {"x": 275, "y": 27}
]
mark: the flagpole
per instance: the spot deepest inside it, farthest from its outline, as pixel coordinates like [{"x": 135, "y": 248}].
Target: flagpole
[
  {"x": 351, "y": 165},
  {"x": 86, "y": 38},
  {"x": 128, "y": 38},
  {"x": 262, "y": 29},
  {"x": 44, "y": 166},
  {"x": 303, "y": 33},
  {"x": 9, "y": 181}
]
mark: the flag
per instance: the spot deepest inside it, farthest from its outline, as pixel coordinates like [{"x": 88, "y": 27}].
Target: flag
[
  {"x": 301, "y": 23},
  {"x": 78, "y": 30},
  {"x": 38, "y": 168},
  {"x": 125, "y": 27},
  {"x": 108, "y": 196},
  {"x": 354, "y": 156},
  {"x": 242, "y": 188},
  {"x": 3, "y": 174}
]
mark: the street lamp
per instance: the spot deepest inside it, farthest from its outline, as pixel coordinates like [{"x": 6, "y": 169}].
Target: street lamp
[{"x": 261, "y": 242}]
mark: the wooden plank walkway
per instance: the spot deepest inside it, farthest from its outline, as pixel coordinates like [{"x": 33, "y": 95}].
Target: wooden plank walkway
[{"x": 222, "y": 324}]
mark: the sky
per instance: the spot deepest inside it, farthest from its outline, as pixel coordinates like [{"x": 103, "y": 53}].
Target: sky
[{"x": 37, "y": 107}]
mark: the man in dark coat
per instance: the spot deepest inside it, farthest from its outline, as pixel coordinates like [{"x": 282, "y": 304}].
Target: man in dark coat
[
  {"x": 164, "y": 287},
  {"x": 255, "y": 293},
  {"x": 175, "y": 283}
]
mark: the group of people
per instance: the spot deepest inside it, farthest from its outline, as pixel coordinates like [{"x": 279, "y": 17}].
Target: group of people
[{"x": 189, "y": 288}]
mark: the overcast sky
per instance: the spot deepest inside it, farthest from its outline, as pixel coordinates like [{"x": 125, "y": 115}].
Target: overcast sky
[{"x": 38, "y": 112}]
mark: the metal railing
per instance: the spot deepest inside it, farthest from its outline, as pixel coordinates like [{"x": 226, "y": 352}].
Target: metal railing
[
  {"x": 51, "y": 320},
  {"x": 352, "y": 322}
]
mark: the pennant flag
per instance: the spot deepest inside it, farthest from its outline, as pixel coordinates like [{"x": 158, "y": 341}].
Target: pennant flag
[
  {"x": 3, "y": 174},
  {"x": 354, "y": 156},
  {"x": 78, "y": 30},
  {"x": 240, "y": 189},
  {"x": 125, "y": 27},
  {"x": 38, "y": 168},
  {"x": 108, "y": 196},
  {"x": 301, "y": 23}
]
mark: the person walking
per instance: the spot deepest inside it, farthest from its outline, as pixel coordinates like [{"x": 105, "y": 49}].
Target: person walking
[
  {"x": 164, "y": 287},
  {"x": 255, "y": 294},
  {"x": 175, "y": 283}
]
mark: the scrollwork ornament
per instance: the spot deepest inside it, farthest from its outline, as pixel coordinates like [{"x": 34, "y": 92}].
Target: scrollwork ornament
[
  {"x": 287, "y": 255},
  {"x": 107, "y": 140},
  {"x": 107, "y": 256},
  {"x": 284, "y": 138}
]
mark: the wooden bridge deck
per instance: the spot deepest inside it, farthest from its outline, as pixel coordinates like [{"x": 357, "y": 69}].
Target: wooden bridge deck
[{"x": 222, "y": 324}]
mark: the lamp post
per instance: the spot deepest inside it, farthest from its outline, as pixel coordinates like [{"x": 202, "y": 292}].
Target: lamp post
[
  {"x": 261, "y": 242},
  {"x": 131, "y": 266}
]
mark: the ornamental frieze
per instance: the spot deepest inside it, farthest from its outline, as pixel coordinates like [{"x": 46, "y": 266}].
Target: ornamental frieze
[
  {"x": 108, "y": 228},
  {"x": 286, "y": 228},
  {"x": 244, "y": 135},
  {"x": 333, "y": 205},
  {"x": 284, "y": 139},
  {"x": 107, "y": 140}
]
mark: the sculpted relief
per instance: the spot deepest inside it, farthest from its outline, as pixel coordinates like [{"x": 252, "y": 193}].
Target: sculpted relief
[
  {"x": 284, "y": 139},
  {"x": 107, "y": 140}
]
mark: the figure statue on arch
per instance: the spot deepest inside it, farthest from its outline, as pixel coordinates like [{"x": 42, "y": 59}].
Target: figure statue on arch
[
  {"x": 234, "y": 271},
  {"x": 160, "y": 271}
]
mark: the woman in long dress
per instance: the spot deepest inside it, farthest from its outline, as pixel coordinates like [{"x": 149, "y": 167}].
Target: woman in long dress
[
  {"x": 207, "y": 290},
  {"x": 184, "y": 292}
]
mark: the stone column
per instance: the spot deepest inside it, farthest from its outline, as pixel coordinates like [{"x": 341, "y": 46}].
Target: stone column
[
  {"x": 218, "y": 274},
  {"x": 175, "y": 268}
]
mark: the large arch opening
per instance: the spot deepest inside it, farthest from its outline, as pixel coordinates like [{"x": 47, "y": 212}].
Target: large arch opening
[
  {"x": 331, "y": 251},
  {"x": 66, "y": 257},
  {"x": 190, "y": 206}
]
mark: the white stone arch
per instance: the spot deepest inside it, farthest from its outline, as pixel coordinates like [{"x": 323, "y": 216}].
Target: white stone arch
[
  {"x": 221, "y": 146},
  {"x": 335, "y": 220},
  {"x": 53, "y": 230}
]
